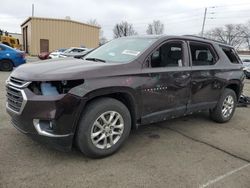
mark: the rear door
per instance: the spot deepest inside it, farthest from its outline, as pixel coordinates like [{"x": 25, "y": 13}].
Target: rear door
[
  {"x": 204, "y": 84},
  {"x": 166, "y": 90}
]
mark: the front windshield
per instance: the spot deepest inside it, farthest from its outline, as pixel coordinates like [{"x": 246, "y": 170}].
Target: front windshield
[{"x": 121, "y": 50}]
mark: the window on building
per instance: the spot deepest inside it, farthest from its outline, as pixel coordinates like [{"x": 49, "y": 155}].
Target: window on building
[
  {"x": 168, "y": 55},
  {"x": 202, "y": 54}
]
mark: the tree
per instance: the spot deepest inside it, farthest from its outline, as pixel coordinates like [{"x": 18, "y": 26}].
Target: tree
[
  {"x": 93, "y": 22},
  {"x": 155, "y": 28},
  {"x": 247, "y": 34},
  {"x": 232, "y": 34},
  {"x": 102, "y": 39},
  {"x": 123, "y": 29}
]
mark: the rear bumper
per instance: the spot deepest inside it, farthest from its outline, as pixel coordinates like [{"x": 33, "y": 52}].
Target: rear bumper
[{"x": 49, "y": 119}]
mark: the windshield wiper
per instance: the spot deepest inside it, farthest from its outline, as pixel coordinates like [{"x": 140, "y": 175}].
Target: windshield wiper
[{"x": 95, "y": 59}]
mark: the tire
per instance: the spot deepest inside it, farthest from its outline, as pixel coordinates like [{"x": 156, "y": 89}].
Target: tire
[
  {"x": 89, "y": 131},
  {"x": 225, "y": 107},
  {"x": 6, "y": 65}
]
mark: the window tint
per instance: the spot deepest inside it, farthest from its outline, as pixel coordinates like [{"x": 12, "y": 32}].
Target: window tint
[
  {"x": 168, "y": 55},
  {"x": 231, "y": 54},
  {"x": 201, "y": 54}
]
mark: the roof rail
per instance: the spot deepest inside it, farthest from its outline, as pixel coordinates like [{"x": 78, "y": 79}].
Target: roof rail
[{"x": 195, "y": 36}]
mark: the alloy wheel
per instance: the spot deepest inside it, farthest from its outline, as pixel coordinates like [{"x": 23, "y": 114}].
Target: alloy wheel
[
  {"x": 227, "y": 106},
  {"x": 107, "y": 130}
]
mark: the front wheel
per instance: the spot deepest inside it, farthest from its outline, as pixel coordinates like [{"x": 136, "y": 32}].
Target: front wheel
[
  {"x": 225, "y": 107},
  {"x": 104, "y": 127},
  {"x": 6, "y": 65}
]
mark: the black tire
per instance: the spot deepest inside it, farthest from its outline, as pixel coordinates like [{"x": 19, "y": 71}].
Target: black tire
[
  {"x": 92, "y": 112},
  {"x": 6, "y": 65},
  {"x": 217, "y": 113}
]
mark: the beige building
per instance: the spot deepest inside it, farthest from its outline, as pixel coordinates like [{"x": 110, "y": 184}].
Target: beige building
[{"x": 48, "y": 34}]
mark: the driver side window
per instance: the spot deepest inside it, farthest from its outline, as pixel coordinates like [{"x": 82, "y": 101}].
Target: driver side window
[{"x": 168, "y": 55}]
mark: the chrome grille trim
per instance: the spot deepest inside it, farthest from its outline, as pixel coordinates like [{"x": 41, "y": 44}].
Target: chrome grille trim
[
  {"x": 17, "y": 82},
  {"x": 15, "y": 101}
]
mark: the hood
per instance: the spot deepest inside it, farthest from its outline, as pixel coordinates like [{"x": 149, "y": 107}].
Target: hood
[{"x": 59, "y": 69}]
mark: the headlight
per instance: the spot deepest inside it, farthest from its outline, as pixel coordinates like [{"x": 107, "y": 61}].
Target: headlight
[{"x": 52, "y": 88}]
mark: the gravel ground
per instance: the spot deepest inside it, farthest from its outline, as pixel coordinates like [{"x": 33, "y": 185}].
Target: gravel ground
[{"x": 191, "y": 151}]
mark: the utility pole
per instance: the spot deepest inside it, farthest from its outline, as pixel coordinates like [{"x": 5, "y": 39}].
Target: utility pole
[
  {"x": 33, "y": 10},
  {"x": 204, "y": 21}
]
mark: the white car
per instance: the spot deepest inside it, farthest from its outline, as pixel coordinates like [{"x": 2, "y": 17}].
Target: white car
[
  {"x": 57, "y": 53},
  {"x": 73, "y": 51}
]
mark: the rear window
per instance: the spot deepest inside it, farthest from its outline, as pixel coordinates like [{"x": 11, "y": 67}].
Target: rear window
[{"x": 231, "y": 54}]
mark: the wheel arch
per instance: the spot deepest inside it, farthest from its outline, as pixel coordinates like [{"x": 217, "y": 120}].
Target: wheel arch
[
  {"x": 235, "y": 86},
  {"x": 123, "y": 94}
]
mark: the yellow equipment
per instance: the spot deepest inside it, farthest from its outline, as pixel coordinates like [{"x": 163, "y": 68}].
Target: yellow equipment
[{"x": 9, "y": 40}]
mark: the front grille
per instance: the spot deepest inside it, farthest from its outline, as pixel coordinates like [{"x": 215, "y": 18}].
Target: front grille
[
  {"x": 18, "y": 82},
  {"x": 14, "y": 99}
]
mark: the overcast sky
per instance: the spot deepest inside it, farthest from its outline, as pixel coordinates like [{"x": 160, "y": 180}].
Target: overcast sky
[{"x": 179, "y": 16}]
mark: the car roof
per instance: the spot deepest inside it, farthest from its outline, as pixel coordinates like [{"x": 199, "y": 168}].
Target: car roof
[
  {"x": 183, "y": 37},
  {"x": 78, "y": 48}
]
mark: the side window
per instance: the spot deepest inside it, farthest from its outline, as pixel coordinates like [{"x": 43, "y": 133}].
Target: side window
[
  {"x": 168, "y": 55},
  {"x": 1, "y": 48},
  {"x": 201, "y": 54},
  {"x": 231, "y": 54}
]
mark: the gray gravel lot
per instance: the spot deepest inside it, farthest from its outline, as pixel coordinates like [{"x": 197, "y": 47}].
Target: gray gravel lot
[{"x": 191, "y": 151}]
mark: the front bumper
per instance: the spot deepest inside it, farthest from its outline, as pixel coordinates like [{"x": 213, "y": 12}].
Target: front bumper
[{"x": 48, "y": 119}]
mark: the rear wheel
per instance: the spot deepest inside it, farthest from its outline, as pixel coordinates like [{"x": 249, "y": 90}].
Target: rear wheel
[
  {"x": 225, "y": 107},
  {"x": 6, "y": 65},
  {"x": 104, "y": 127}
]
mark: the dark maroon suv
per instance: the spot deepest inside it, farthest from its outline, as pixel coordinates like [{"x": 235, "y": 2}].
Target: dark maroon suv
[{"x": 95, "y": 101}]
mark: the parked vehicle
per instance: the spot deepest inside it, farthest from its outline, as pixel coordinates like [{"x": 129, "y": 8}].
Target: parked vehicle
[
  {"x": 57, "y": 53},
  {"x": 10, "y": 57},
  {"x": 246, "y": 69},
  {"x": 245, "y": 58},
  {"x": 8, "y": 40},
  {"x": 131, "y": 81},
  {"x": 74, "y": 51},
  {"x": 43, "y": 55}
]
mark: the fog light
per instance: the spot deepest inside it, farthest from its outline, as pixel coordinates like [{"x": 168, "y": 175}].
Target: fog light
[{"x": 45, "y": 128}]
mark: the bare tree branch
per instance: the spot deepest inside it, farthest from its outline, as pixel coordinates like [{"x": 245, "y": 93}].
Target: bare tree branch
[
  {"x": 123, "y": 29},
  {"x": 155, "y": 28}
]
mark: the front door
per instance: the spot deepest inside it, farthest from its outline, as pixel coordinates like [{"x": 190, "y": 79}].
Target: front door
[
  {"x": 44, "y": 45},
  {"x": 166, "y": 91}
]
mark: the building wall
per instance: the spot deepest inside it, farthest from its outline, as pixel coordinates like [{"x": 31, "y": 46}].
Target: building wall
[
  {"x": 28, "y": 25},
  {"x": 61, "y": 34}
]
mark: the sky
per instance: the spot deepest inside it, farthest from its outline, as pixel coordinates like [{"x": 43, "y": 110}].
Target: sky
[{"x": 178, "y": 16}]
